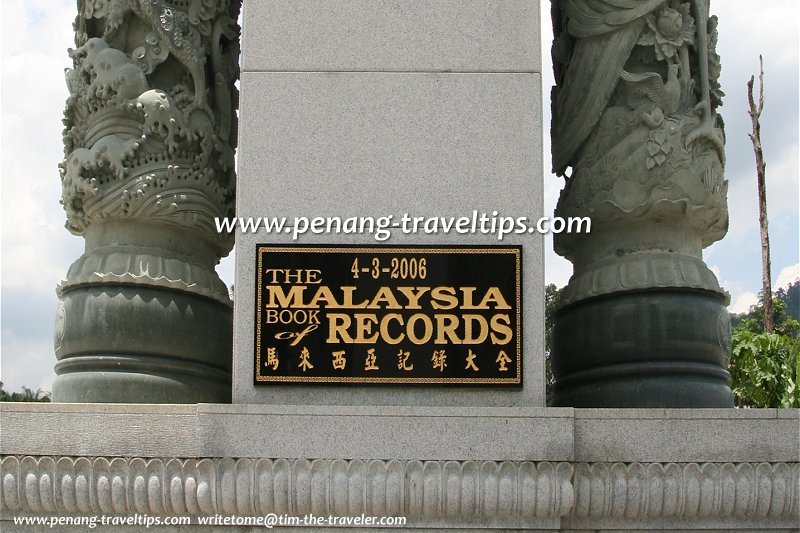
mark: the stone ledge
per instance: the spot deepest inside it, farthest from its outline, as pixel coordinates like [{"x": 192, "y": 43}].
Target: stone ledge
[
  {"x": 687, "y": 414},
  {"x": 424, "y": 433},
  {"x": 687, "y": 435},
  {"x": 98, "y": 429}
]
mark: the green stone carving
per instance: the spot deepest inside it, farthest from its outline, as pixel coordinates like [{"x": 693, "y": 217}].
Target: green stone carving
[
  {"x": 637, "y": 136},
  {"x": 149, "y": 139}
]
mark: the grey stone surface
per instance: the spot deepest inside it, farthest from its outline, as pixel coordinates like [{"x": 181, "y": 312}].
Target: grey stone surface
[
  {"x": 384, "y": 143},
  {"x": 378, "y": 144},
  {"x": 423, "y": 433},
  {"x": 683, "y": 435},
  {"x": 386, "y": 35},
  {"x": 98, "y": 429},
  {"x": 500, "y": 526},
  {"x": 681, "y": 525},
  {"x": 428, "y": 432},
  {"x": 377, "y": 108},
  {"x": 543, "y": 526}
]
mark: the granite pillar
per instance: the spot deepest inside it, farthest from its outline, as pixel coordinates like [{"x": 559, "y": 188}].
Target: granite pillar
[
  {"x": 374, "y": 108},
  {"x": 643, "y": 321},
  {"x": 150, "y": 130}
]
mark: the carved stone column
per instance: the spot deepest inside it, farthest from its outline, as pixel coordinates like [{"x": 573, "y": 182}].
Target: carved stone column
[
  {"x": 643, "y": 320},
  {"x": 149, "y": 137}
]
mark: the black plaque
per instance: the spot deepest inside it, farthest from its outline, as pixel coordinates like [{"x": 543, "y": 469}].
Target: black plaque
[{"x": 419, "y": 315}]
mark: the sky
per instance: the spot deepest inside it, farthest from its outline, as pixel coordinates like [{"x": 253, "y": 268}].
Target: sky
[{"x": 36, "y": 250}]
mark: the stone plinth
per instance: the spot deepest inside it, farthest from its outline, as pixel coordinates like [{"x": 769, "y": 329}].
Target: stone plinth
[
  {"x": 373, "y": 108},
  {"x": 546, "y": 469}
]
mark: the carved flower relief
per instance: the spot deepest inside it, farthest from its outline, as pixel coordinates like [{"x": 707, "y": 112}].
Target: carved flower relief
[
  {"x": 167, "y": 19},
  {"x": 668, "y": 30},
  {"x": 658, "y": 148},
  {"x": 626, "y": 173}
]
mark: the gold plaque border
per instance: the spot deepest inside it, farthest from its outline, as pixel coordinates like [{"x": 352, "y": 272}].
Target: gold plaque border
[{"x": 517, "y": 251}]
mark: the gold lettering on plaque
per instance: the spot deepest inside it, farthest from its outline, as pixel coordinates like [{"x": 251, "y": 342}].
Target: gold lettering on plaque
[
  {"x": 402, "y": 361},
  {"x": 272, "y": 358},
  {"x": 339, "y": 360},
  {"x": 371, "y": 361},
  {"x": 471, "y": 362},
  {"x": 502, "y": 360},
  {"x": 384, "y": 302},
  {"x": 305, "y": 364},
  {"x": 439, "y": 360}
]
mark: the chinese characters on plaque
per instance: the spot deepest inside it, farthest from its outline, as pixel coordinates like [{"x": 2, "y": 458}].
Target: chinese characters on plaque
[{"x": 389, "y": 315}]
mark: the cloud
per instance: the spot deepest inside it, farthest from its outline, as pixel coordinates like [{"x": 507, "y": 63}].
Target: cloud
[
  {"x": 787, "y": 276},
  {"x": 743, "y": 303},
  {"x": 741, "y": 297},
  {"x": 557, "y": 269},
  {"x": 778, "y": 43},
  {"x": 36, "y": 250},
  {"x": 782, "y": 191},
  {"x": 226, "y": 268},
  {"x": 26, "y": 363}
]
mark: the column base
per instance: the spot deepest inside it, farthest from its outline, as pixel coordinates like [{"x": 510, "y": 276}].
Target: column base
[
  {"x": 660, "y": 348},
  {"x": 138, "y": 344}
]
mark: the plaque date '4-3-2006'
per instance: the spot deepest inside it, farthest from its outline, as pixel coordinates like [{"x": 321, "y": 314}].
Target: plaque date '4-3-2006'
[
  {"x": 399, "y": 268},
  {"x": 388, "y": 315}
]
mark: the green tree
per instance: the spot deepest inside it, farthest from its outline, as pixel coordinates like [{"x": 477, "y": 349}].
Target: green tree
[
  {"x": 783, "y": 322},
  {"x": 765, "y": 365},
  {"x": 552, "y": 296},
  {"x": 27, "y": 395},
  {"x": 791, "y": 297}
]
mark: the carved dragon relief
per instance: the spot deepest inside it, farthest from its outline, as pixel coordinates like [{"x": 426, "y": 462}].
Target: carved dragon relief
[
  {"x": 138, "y": 123},
  {"x": 652, "y": 107},
  {"x": 635, "y": 127},
  {"x": 150, "y": 125}
]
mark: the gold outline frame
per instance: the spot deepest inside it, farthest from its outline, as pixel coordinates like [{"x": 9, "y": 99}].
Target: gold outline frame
[{"x": 517, "y": 251}]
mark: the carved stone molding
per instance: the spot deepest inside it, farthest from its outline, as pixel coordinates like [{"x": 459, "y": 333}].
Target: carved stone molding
[
  {"x": 644, "y": 271},
  {"x": 687, "y": 490},
  {"x": 424, "y": 490},
  {"x": 145, "y": 266}
]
